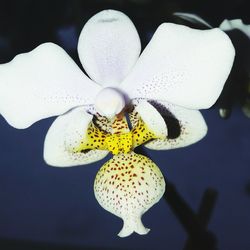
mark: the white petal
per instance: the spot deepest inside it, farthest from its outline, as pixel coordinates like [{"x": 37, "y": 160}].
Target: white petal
[
  {"x": 64, "y": 135},
  {"x": 185, "y": 127},
  {"x": 228, "y": 25},
  {"x": 108, "y": 47},
  {"x": 152, "y": 118},
  {"x": 184, "y": 66},
  {"x": 192, "y": 18},
  {"x": 42, "y": 83},
  {"x": 127, "y": 186}
]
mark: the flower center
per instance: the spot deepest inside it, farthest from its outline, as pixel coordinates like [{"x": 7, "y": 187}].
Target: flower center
[
  {"x": 121, "y": 140},
  {"x": 119, "y": 143}
]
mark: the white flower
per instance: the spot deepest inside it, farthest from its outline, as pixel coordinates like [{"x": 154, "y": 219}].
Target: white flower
[
  {"x": 181, "y": 70},
  {"x": 226, "y": 25}
]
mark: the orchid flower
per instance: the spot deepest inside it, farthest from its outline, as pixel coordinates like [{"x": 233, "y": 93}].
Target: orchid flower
[
  {"x": 226, "y": 25},
  {"x": 180, "y": 71}
]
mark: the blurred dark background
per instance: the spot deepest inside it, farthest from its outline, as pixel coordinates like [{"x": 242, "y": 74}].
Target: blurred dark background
[{"x": 207, "y": 201}]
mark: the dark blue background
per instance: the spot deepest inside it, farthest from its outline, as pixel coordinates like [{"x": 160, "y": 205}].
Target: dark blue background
[{"x": 48, "y": 207}]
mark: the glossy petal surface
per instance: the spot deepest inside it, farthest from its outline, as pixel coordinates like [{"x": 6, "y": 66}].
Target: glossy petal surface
[
  {"x": 42, "y": 83},
  {"x": 108, "y": 47},
  {"x": 183, "y": 66}
]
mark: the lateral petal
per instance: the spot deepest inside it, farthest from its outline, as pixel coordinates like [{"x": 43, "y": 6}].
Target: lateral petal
[
  {"x": 185, "y": 127},
  {"x": 65, "y": 137},
  {"x": 183, "y": 66}
]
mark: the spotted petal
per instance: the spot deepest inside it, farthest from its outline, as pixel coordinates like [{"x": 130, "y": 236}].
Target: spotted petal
[
  {"x": 64, "y": 138},
  {"x": 108, "y": 47},
  {"x": 42, "y": 83},
  {"x": 127, "y": 186},
  {"x": 184, "y": 66},
  {"x": 147, "y": 123},
  {"x": 185, "y": 126}
]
